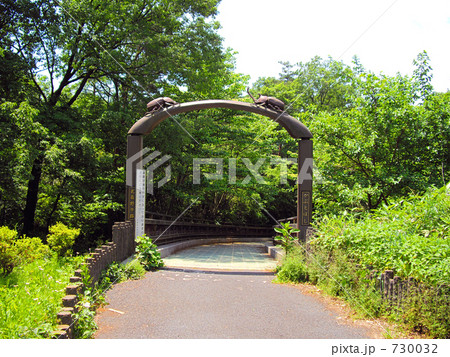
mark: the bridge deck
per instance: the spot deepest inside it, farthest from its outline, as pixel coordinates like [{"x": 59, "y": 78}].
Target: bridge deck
[{"x": 223, "y": 256}]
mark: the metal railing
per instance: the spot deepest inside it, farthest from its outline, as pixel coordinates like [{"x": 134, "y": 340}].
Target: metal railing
[{"x": 164, "y": 231}]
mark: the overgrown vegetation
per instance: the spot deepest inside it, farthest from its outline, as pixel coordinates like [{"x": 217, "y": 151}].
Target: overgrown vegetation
[
  {"x": 147, "y": 253},
  {"x": 30, "y": 297},
  {"x": 410, "y": 237},
  {"x": 33, "y": 277}
]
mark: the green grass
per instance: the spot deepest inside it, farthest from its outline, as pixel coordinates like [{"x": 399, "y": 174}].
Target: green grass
[{"x": 30, "y": 297}]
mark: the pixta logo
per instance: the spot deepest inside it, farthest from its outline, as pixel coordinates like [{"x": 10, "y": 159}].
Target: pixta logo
[
  {"x": 140, "y": 160},
  {"x": 253, "y": 168}
]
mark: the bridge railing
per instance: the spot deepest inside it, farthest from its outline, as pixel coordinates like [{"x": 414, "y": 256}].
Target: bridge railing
[
  {"x": 293, "y": 220},
  {"x": 169, "y": 231}
]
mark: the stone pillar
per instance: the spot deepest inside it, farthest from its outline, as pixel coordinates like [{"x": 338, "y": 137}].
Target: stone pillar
[{"x": 304, "y": 187}]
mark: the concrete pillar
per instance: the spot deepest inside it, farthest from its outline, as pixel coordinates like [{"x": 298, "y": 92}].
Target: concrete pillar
[{"x": 304, "y": 187}]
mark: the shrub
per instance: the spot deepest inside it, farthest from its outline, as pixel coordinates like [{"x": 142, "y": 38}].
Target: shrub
[
  {"x": 147, "y": 253},
  {"x": 293, "y": 268},
  {"x": 411, "y": 237},
  {"x": 428, "y": 312},
  {"x": 116, "y": 273},
  {"x": 62, "y": 238},
  {"x": 30, "y": 249},
  {"x": 8, "y": 258},
  {"x": 134, "y": 270}
]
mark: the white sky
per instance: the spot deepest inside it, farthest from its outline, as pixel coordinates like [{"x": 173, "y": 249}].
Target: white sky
[{"x": 387, "y": 35}]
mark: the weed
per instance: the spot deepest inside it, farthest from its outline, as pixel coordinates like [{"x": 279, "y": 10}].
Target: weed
[
  {"x": 37, "y": 287},
  {"x": 293, "y": 268},
  {"x": 288, "y": 236},
  {"x": 147, "y": 253}
]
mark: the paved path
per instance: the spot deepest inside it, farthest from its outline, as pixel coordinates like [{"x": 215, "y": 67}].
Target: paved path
[{"x": 179, "y": 304}]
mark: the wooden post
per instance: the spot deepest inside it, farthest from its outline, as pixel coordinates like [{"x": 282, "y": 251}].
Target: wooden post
[{"x": 304, "y": 187}]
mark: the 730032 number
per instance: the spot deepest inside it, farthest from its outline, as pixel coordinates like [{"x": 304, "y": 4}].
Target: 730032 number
[{"x": 414, "y": 348}]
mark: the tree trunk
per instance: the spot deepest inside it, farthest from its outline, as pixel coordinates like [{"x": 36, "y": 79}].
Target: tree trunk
[{"x": 32, "y": 195}]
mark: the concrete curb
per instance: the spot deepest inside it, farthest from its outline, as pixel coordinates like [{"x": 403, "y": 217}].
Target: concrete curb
[{"x": 275, "y": 252}]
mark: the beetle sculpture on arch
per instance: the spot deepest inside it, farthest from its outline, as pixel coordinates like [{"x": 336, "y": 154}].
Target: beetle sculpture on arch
[
  {"x": 268, "y": 102},
  {"x": 160, "y": 103}
]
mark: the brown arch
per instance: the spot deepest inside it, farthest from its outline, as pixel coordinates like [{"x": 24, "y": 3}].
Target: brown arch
[
  {"x": 294, "y": 127},
  {"x": 149, "y": 122}
]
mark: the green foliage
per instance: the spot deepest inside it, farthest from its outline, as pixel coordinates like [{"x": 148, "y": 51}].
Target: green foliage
[
  {"x": 293, "y": 268},
  {"x": 37, "y": 287},
  {"x": 75, "y": 74},
  {"x": 376, "y": 137},
  {"x": 14, "y": 251},
  {"x": 410, "y": 236},
  {"x": 30, "y": 249},
  {"x": 147, "y": 253},
  {"x": 8, "y": 235},
  {"x": 8, "y": 258},
  {"x": 116, "y": 273},
  {"x": 134, "y": 270},
  {"x": 62, "y": 238},
  {"x": 85, "y": 325},
  {"x": 288, "y": 236},
  {"x": 428, "y": 312}
]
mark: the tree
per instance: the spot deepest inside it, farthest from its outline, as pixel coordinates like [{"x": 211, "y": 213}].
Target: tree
[
  {"x": 123, "y": 51},
  {"x": 384, "y": 145},
  {"x": 375, "y": 136},
  {"x": 311, "y": 87}
]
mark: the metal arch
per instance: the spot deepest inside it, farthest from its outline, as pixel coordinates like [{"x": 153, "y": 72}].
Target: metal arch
[{"x": 149, "y": 122}]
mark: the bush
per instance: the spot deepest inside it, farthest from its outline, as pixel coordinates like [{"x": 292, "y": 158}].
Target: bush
[
  {"x": 293, "y": 268},
  {"x": 411, "y": 237},
  {"x": 8, "y": 258},
  {"x": 30, "y": 249},
  {"x": 428, "y": 312},
  {"x": 61, "y": 239},
  {"x": 134, "y": 270},
  {"x": 116, "y": 273},
  {"x": 147, "y": 253}
]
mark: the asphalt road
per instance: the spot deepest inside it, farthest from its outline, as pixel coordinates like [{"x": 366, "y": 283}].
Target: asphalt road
[{"x": 174, "y": 304}]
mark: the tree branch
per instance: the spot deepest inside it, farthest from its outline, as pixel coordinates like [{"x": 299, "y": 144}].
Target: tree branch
[{"x": 80, "y": 88}]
